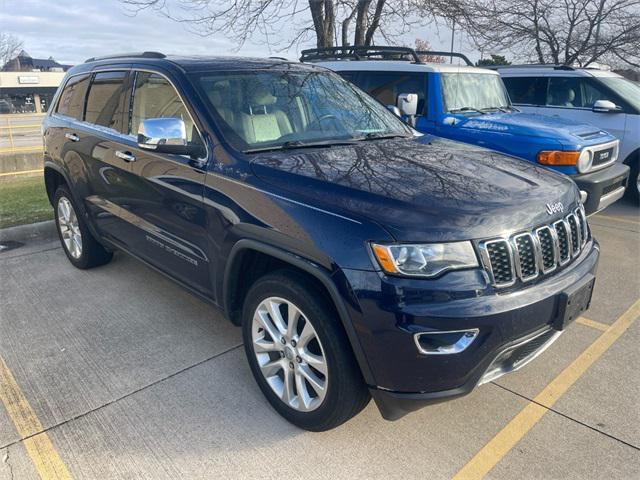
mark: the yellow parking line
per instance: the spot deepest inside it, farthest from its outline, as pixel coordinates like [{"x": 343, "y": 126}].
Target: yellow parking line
[
  {"x": 21, "y": 149},
  {"x": 617, "y": 219},
  {"x": 21, "y": 172},
  {"x": 587, "y": 322},
  {"x": 43, "y": 454},
  {"x": 524, "y": 421}
]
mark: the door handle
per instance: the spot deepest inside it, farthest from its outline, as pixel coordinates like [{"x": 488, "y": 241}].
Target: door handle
[
  {"x": 72, "y": 136},
  {"x": 126, "y": 156}
]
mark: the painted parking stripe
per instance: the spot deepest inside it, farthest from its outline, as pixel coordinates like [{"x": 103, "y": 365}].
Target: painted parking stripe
[
  {"x": 43, "y": 454},
  {"x": 617, "y": 219},
  {"x": 587, "y": 322},
  {"x": 22, "y": 172},
  {"x": 524, "y": 421}
]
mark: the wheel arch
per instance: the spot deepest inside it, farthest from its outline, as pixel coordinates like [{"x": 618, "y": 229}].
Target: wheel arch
[{"x": 259, "y": 258}]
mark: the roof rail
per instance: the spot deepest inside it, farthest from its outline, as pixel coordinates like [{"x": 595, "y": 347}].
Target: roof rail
[
  {"x": 436, "y": 53},
  {"x": 529, "y": 65},
  {"x": 127, "y": 55},
  {"x": 359, "y": 53}
]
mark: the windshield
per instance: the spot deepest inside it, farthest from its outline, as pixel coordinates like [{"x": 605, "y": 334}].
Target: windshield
[
  {"x": 262, "y": 110},
  {"x": 625, "y": 88},
  {"x": 473, "y": 91}
]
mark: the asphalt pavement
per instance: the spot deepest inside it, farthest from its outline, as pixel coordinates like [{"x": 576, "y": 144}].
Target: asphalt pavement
[{"x": 117, "y": 373}]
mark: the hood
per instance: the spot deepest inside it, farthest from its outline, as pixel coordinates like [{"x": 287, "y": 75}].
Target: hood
[
  {"x": 425, "y": 189},
  {"x": 533, "y": 125}
]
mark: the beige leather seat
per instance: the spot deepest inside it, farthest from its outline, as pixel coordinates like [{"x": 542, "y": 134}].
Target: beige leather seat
[{"x": 264, "y": 122}]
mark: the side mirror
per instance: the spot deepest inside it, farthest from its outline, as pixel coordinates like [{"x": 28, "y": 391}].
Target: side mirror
[
  {"x": 166, "y": 135},
  {"x": 395, "y": 110},
  {"x": 605, "y": 106},
  {"x": 408, "y": 103}
]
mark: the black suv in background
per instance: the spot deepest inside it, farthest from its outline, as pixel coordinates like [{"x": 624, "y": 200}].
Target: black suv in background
[{"x": 360, "y": 258}]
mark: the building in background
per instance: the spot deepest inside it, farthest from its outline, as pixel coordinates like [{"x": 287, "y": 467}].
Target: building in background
[{"x": 27, "y": 84}]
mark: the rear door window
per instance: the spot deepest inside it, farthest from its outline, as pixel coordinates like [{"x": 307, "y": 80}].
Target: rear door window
[
  {"x": 527, "y": 90},
  {"x": 106, "y": 102},
  {"x": 71, "y": 103},
  {"x": 386, "y": 86}
]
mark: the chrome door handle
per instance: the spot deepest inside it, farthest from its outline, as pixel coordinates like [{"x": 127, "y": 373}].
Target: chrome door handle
[
  {"x": 72, "y": 136},
  {"x": 126, "y": 156}
]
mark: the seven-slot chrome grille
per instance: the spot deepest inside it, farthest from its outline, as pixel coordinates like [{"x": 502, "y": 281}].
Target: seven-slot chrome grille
[{"x": 525, "y": 256}]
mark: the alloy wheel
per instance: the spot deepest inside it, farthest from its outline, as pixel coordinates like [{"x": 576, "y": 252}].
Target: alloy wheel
[
  {"x": 69, "y": 227},
  {"x": 289, "y": 354}
]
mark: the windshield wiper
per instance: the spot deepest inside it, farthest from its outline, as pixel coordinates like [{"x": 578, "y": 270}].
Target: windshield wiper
[
  {"x": 294, "y": 144},
  {"x": 466, "y": 109},
  {"x": 379, "y": 136}
]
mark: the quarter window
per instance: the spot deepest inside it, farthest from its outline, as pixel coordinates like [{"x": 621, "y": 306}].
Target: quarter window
[
  {"x": 71, "y": 101},
  {"x": 155, "y": 97},
  {"x": 106, "y": 100}
]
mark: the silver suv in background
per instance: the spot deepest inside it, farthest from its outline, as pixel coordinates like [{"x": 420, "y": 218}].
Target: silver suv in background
[{"x": 584, "y": 95}]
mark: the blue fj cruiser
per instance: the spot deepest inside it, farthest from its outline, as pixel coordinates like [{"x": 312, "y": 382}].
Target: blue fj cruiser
[{"x": 471, "y": 105}]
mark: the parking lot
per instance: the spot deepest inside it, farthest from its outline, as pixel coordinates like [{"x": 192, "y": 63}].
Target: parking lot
[{"x": 119, "y": 373}]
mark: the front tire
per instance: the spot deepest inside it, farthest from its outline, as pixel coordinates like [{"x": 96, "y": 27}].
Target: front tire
[
  {"x": 80, "y": 246},
  {"x": 299, "y": 354}
]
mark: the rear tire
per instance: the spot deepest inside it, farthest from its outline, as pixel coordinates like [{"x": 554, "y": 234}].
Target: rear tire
[
  {"x": 80, "y": 246},
  {"x": 308, "y": 374}
]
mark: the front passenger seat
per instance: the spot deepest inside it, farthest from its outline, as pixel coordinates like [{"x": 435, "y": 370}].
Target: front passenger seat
[{"x": 264, "y": 122}]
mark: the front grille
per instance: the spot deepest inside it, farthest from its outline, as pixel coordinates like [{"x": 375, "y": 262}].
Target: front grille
[
  {"x": 524, "y": 256},
  {"x": 526, "y": 259},
  {"x": 500, "y": 256},
  {"x": 603, "y": 156}
]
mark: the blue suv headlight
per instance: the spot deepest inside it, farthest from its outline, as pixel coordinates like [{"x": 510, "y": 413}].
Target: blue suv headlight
[{"x": 424, "y": 260}]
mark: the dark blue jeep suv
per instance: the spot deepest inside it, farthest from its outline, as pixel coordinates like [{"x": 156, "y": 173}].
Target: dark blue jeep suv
[{"x": 361, "y": 258}]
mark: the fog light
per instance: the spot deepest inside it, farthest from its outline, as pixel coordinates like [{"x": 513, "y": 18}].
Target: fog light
[{"x": 445, "y": 343}]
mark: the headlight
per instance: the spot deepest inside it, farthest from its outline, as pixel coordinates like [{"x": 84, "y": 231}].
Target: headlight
[
  {"x": 425, "y": 260},
  {"x": 584, "y": 161}
]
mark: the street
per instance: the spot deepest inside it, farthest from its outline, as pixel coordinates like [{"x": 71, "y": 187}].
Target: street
[{"x": 118, "y": 373}]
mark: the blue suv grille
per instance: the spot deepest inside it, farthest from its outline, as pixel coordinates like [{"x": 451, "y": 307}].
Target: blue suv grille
[{"x": 526, "y": 256}]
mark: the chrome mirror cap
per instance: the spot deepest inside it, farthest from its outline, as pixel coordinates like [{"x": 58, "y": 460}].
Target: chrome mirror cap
[{"x": 154, "y": 132}]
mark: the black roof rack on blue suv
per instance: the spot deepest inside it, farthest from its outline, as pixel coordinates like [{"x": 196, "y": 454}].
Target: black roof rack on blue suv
[
  {"x": 127, "y": 55},
  {"x": 374, "y": 53}
]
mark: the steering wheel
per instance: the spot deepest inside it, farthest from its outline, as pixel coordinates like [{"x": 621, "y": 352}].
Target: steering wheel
[{"x": 323, "y": 118}]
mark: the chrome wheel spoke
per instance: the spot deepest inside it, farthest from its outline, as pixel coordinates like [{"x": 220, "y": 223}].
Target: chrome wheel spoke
[
  {"x": 276, "y": 316},
  {"x": 317, "y": 384},
  {"x": 316, "y": 361},
  {"x": 307, "y": 334},
  {"x": 271, "y": 368},
  {"x": 288, "y": 394},
  {"x": 265, "y": 346},
  {"x": 304, "y": 399},
  {"x": 263, "y": 318}
]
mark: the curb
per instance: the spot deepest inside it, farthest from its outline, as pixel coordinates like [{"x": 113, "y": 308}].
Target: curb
[{"x": 27, "y": 233}]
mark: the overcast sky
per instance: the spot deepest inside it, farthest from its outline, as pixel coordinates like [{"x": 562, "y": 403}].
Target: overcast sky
[{"x": 73, "y": 30}]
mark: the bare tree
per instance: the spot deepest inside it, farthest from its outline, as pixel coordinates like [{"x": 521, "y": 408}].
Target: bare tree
[
  {"x": 240, "y": 20},
  {"x": 10, "y": 47},
  {"x": 554, "y": 31},
  {"x": 423, "y": 46}
]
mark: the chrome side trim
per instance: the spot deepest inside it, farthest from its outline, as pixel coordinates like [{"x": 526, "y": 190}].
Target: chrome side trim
[{"x": 459, "y": 346}]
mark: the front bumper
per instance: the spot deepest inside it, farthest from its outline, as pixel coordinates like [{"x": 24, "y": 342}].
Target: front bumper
[
  {"x": 602, "y": 188},
  {"x": 393, "y": 310}
]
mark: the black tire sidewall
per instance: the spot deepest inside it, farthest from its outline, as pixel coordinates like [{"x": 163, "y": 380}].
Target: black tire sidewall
[{"x": 343, "y": 376}]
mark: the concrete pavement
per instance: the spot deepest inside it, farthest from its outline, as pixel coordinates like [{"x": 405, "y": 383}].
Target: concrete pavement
[{"x": 129, "y": 376}]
